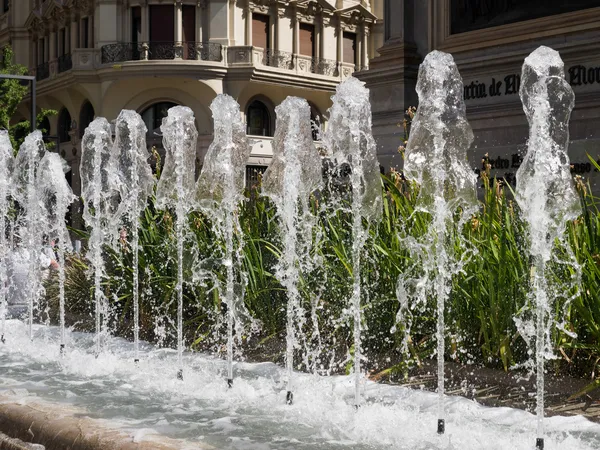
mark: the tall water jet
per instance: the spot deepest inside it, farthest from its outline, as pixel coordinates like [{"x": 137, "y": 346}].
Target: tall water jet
[
  {"x": 56, "y": 195},
  {"x": 130, "y": 156},
  {"x": 98, "y": 190},
  {"x": 26, "y": 175},
  {"x": 436, "y": 158},
  {"x": 176, "y": 186},
  {"x": 294, "y": 173},
  {"x": 6, "y": 167},
  {"x": 349, "y": 140},
  {"x": 545, "y": 190},
  {"x": 219, "y": 191}
]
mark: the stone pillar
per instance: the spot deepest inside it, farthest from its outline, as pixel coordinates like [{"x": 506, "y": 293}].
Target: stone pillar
[
  {"x": 392, "y": 76},
  {"x": 74, "y": 33},
  {"x": 339, "y": 45},
  {"x": 365, "y": 48},
  {"x": 52, "y": 44},
  {"x": 318, "y": 36},
  {"x": 178, "y": 30},
  {"x": 248, "y": 24},
  {"x": 145, "y": 22}
]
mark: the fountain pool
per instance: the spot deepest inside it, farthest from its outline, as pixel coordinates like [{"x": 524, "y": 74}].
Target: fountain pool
[{"x": 148, "y": 398}]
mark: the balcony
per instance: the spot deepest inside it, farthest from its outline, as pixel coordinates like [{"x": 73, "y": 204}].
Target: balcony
[
  {"x": 42, "y": 71},
  {"x": 188, "y": 51},
  {"x": 64, "y": 63},
  {"x": 255, "y": 56}
]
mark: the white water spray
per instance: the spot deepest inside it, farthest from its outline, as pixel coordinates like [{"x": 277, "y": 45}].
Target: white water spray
[
  {"x": 130, "y": 156},
  {"x": 436, "y": 158},
  {"x": 545, "y": 190},
  {"x": 176, "y": 186},
  {"x": 349, "y": 140},
  {"x": 219, "y": 191},
  {"x": 293, "y": 175}
]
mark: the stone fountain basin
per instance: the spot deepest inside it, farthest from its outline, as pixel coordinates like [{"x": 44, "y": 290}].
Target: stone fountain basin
[{"x": 146, "y": 404}]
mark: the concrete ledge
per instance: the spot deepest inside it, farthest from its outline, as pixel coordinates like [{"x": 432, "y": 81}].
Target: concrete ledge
[
  {"x": 8, "y": 443},
  {"x": 61, "y": 427}
]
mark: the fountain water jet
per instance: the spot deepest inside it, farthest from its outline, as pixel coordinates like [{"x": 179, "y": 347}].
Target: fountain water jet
[
  {"x": 545, "y": 190},
  {"x": 55, "y": 195},
  {"x": 130, "y": 156},
  {"x": 6, "y": 167},
  {"x": 26, "y": 177},
  {"x": 98, "y": 189},
  {"x": 436, "y": 159},
  {"x": 176, "y": 186},
  {"x": 219, "y": 191},
  {"x": 349, "y": 140},
  {"x": 292, "y": 176}
]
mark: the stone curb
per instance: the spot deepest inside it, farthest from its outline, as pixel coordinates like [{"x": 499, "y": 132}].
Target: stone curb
[
  {"x": 8, "y": 443},
  {"x": 61, "y": 427}
]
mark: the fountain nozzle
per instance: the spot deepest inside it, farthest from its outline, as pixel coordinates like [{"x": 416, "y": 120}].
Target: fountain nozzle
[
  {"x": 289, "y": 398},
  {"x": 539, "y": 444},
  {"x": 136, "y": 361},
  {"x": 62, "y": 349},
  {"x": 180, "y": 374},
  {"x": 441, "y": 426},
  {"x": 229, "y": 382},
  {"x": 2, "y": 339}
]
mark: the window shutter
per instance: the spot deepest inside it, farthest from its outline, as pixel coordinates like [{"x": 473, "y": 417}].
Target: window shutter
[
  {"x": 307, "y": 39},
  {"x": 260, "y": 31},
  {"x": 350, "y": 48}
]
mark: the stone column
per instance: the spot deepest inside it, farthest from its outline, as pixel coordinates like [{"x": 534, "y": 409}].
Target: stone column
[
  {"x": 52, "y": 44},
  {"x": 178, "y": 30},
  {"x": 145, "y": 22},
  {"x": 365, "y": 48},
  {"x": 392, "y": 76},
  {"x": 340, "y": 46},
  {"x": 248, "y": 24},
  {"x": 74, "y": 33}
]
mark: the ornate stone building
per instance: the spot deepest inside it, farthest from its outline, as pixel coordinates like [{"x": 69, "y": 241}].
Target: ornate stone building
[
  {"x": 96, "y": 57},
  {"x": 489, "y": 40}
]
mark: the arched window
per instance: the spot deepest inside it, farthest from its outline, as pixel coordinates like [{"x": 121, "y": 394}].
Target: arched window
[
  {"x": 44, "y": 126},
  {"x": 258, "y": 119},
  {"x": 64, "y": 125},
  {"x": 86, "y": 116},
  {"x": 154, "y": 114},
  {"x": 316, "y": 122}
]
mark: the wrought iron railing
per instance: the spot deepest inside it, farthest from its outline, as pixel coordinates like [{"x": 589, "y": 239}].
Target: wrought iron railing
[
  {"x": 205, "y": 51},
  {"x": 127, "y": 51},
  {"x": 42, "y": 71},
  {"x": 323, "y": 67},
  {"x": 278, "y": 58},
  {"x": 120, "y": 52},
  {"x": 161, "y": 50},
  {"x": 65, "y": 62}
]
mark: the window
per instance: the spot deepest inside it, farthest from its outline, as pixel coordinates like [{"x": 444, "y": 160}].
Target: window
[
  {"x": 162, "y": 23},
  {"x": 258, "y": 119},
  {"x": 136, "y": 24},
  {"x": 86, "y": 116},
  {"x": 64, "y": 125},
  {"x": 307, "y": 39},
  {"x": 153, "y": 115},
  {"x": 260, "y": 31},
  {"x": 479, "y": 14},
  {"x": 349, "y": 48},
  {"x": 62, "y": 44},
  {"x": 316, "y": 122},
  {"x": 44, "y": 126},
  {"x": 253, "y": 174},
  {"x": 5, "y": 5},
  {"x": 188, "y": 29},
  {"x": 85, "y": 32}
]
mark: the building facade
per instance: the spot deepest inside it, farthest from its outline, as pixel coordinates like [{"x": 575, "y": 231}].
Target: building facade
[
  {"x": 489, "y": 41},
  {"x": 97, "y": 57}
]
